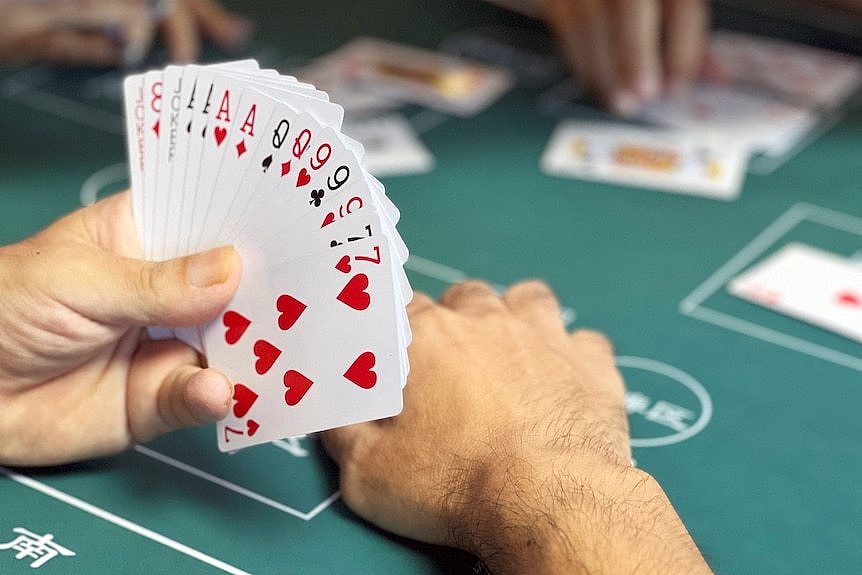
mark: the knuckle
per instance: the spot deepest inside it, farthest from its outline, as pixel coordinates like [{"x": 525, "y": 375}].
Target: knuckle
[
  {"x": 421, "y": 303},
  {"x": 531, "y": 290},
  {"x": 147, "y": 280},
  {"x": 153, "y": 287},
  {"x": 594, "y": 340},
  {"x": 466, "y": 290}
]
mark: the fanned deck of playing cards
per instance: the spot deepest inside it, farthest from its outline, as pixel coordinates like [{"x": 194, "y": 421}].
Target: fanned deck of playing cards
[{"x": 317, "y": 332}]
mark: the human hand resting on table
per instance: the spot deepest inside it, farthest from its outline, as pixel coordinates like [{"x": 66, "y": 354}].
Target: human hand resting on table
[
  {"x": 113, "y": 32},
  {"x": 513, "y": 445},
  {"x": 78, "y": 377}
]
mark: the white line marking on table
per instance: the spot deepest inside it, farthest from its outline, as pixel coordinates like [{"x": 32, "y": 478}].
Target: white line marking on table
[
  {"x": 758, "y": 245},
  {"x": 95, "y": 183},
  {"x": 119, "y": 521},
  {"x": 682, "y": 378},
  {"x": 833, "y": 219},
  {"x": 692, "y": 305},
  {"x": 62, "y": 107},
  {"x": 323, "y": 505},
  {"x": 766, "y": 334},
  {"x": 190, "y": 469},
  {"x": 434, "y": 270}
]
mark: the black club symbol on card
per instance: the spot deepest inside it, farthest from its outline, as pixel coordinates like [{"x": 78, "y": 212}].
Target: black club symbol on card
[{"x": 316, "y": 197}]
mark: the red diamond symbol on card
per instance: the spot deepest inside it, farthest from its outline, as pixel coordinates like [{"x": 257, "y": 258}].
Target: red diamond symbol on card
[
  {"x": 240, "y": 148},
  {"x": 285, "y": 168},
  {"x": 156, "y": 127}
]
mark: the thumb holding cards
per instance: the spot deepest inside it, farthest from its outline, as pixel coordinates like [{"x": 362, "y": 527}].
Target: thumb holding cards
[{"x": 77, "y": 377}]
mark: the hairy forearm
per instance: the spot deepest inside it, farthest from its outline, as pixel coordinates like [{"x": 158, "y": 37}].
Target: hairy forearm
[{"x": 575, "y": 519}]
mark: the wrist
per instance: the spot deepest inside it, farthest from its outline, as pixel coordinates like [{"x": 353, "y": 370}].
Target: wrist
[{"x": 578, "y": 517}]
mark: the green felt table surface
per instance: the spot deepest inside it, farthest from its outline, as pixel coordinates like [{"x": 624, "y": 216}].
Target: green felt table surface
[{"x": 749, "y": 420}]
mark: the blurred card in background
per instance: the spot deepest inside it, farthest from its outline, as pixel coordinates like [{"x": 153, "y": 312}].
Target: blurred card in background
[
  {"x": 764, "y": 124},
  {"x": 370, "y": 67},
  {"x": 644, "y": 157},
  {"x": 813, "y": 285},
  {"x": 803, "y": 73},
  {"x": 392, "y": 147},
  {"x": 770, "y": 96}
]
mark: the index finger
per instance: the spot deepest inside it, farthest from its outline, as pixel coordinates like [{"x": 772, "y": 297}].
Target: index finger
[
  {"x": 685, "y": 30},
  {"x": 582, "y": 29}
]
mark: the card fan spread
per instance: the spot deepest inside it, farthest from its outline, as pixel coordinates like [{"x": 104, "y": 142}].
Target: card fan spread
[{"x": 316, "y": 334}]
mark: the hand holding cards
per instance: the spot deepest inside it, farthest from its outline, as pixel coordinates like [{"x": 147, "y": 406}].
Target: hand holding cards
[{"x": 316, "y": 334}]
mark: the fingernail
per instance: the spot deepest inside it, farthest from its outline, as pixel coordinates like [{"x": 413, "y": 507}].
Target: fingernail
[
  {"x": 624, "y": 103},
  {"x": 210, "y": 268},
  {"x": 208, "y": 396}
]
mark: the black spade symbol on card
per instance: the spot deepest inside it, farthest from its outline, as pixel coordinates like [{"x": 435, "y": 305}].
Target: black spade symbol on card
[{"x": 267, "y": 161}]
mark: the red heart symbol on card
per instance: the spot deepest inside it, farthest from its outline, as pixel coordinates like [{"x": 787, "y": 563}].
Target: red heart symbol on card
[
  {"x": 219, "y": 134},
  {"x": 849, "y": 298},
  {"x": 360, "y": 372},
  {"x": 290, "y": 308},
  {"x": 297, "y": 385},
  {"x": 236, "y": 325},
  {"x": 243, "y": 399},
  {"x": 303, "y": 178},
  {"x": 354, "y": 295},
  {"x": 252, "y": 426},
  {"x": 266, "y": 354},
  {"x": 330, "y": 217},
  {"x": 343, "y": 265}
]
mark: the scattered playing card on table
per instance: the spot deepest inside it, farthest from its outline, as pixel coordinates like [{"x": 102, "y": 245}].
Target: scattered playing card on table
[
  {"x": 392, "y": 147},
  {"x": 813, "y": 285},
  {"x": 802, "y": 73},
  {"x": 394, "y": 72},
  {"x": 646, "y": 158},
  {"x": 762, "y": 123},
  {"x": 317, "y": 332}
]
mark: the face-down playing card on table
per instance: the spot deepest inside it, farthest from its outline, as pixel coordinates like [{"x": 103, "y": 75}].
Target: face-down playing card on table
[
  {"x": 810, "y": 284},
  {"x": 257, "y": 160}
]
